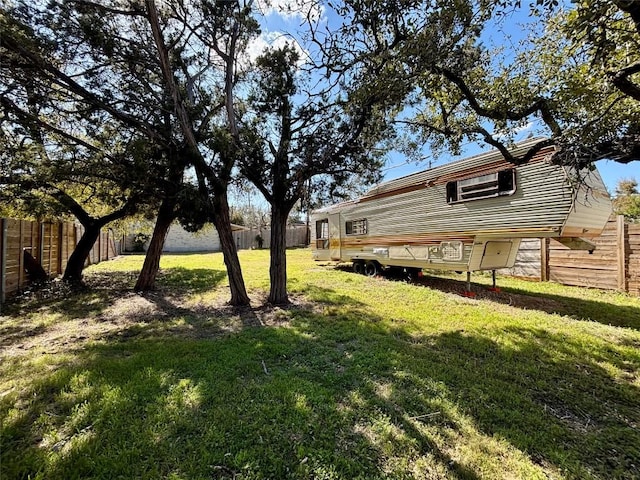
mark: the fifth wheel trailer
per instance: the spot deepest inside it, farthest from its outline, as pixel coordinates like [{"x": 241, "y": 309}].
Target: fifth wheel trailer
[{"x": 466, "y": 215}]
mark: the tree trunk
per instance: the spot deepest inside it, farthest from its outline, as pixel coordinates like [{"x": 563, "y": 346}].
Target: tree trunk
[
  {"x": 147, "y": 277},
  {"x": 278, "y": 253},
  {"x": 222, "y": 222},
  {"x": 75, "y": 264}
]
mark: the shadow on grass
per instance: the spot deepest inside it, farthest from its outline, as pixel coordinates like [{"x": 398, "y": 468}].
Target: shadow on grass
[
  {"x": 577, "y": 308},
  {"x": 11, "y": 334},
  {"x": 57, "y": 298},
  {"x": 181, "y": 278},
  {"x": 334, "y": 395},
  {"x": 103, "y": 291}
]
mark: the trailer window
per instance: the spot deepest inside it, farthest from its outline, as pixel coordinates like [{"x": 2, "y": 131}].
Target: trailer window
[
  {"x": 356, "y": 227},
  {"x": 322, "y": 234},
  {"x": 483, "y": 186}
]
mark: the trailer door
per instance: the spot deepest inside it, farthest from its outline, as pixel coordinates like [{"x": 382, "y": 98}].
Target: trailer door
[{"x": 334, "y": 236}]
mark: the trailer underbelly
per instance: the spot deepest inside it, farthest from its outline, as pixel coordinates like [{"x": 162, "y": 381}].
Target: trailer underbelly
[{"x": 478, "y": 254}]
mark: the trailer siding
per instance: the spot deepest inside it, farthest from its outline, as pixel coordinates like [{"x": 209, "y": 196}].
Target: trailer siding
[
  {"x": 410, "y": 220},
  {"x": 468, "y": 167},
  {"x": 590, "y": 206},
  {"x": 541, "y": 192}
]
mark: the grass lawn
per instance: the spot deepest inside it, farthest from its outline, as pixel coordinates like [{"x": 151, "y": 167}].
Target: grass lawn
[{"x": 359, "y": 378}]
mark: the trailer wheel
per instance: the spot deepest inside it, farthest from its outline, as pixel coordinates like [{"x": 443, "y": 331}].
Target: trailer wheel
[
  {"x": 358, "y": 267},
  {"x": 413, "y": 273},
  {"x": 371, "y": 268}
]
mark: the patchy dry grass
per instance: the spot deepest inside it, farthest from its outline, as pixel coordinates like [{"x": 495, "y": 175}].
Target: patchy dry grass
[{"x": 358, "y": 378}]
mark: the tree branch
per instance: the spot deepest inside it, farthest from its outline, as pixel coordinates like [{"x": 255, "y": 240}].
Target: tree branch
[
  {"x": 9, "y": 105},
  {"x": 540, "y": 105},
  {"x": 622, "y": 82},
  {"x": 65, "y": 81}
]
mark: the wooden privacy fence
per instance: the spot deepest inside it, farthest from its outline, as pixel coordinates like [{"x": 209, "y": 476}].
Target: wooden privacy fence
[
  {"x": 297, "y": 236},
  {"x": 613, "y": 265},
  {"x": 50, "y": 244}
]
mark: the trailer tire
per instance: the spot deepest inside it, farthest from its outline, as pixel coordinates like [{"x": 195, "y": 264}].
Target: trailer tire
[
  {"x": 358, "y": 267},
  {"x": 371, "y": 268},
  {"x": 413, "y": 273}
]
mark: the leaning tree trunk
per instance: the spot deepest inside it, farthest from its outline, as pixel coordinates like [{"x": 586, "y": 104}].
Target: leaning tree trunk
[
  {"x": 75, "y": 264},
  {"x": 147, "y": 277},
  {"x": 222, "y": 222},
  {"x": 278, "y": 253}
]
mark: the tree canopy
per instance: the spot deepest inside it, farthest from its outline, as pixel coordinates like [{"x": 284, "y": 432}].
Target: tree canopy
[
  {"x": 108, "y": 108},
  {"x": 161, "y": 74},
  {"x": 575, "y": 76},
  {"x": 627, "y": 199}
]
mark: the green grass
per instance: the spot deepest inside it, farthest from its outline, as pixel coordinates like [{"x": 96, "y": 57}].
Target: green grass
[{"x": 359, "y": 378}]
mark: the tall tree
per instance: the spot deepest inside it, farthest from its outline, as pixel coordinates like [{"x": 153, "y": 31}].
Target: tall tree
[
  {"x": 164, "y": 72},
  {"x": 576, "y": 77},
  {"x": 627, "y": 199},
  {"x": 60, "y": 159},
  {"x": 292, "y": 134}
]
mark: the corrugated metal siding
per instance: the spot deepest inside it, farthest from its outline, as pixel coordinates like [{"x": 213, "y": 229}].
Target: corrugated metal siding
[
  {"x": 489, "y": 161},
  {"x": 454, "y": 169},
  {"x": 542, "y": 200},
  {"x": 591, "y": 209}
]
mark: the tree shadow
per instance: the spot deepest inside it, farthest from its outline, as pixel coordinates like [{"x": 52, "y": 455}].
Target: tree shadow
[
  {"x": 577, "y": 308},
  {"x": 338, "y": 395},
  {"x": 57, "y": 298},
  {"x": 273, "y": 409},
  {"x": 199, "y": 321},
  {"x": 11, "y": 334},
  {"x": 101, "y": 300}
]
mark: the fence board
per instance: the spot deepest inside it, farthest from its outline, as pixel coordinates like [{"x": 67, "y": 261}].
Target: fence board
[
  {"x": 51, "y": 244},
  {"x": 296, "y": 236},
  {"x": 614, "y": 264},
  {"x": 3, "y": 248},
  {"x": 583, "y": 257},
  {"x": 593, "y": 264},
  {"x": 585, "y": 277}
]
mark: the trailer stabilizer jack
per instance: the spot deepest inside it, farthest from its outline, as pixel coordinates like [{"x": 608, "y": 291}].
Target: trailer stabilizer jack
[{"x": 494, "y": 288}]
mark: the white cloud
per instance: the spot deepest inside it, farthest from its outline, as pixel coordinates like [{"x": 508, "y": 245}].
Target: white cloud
[
  {"x": 271, "y": 40},
  {"x": 524, "y": 128},
  {"x": 292, "y": 8}
]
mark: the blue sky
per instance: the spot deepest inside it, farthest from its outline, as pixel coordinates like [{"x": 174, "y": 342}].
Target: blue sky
[
  {"x": 610, "y": 171},
  {"x": 280, "y": 16}
]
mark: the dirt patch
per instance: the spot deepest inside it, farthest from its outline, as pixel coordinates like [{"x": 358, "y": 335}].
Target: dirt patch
[{"x": 118, "y": 314}]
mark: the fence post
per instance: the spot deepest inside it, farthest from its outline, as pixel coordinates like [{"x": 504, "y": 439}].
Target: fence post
[
  {"x": 621, "y": 243},
  {"x": 41, "y": 244},
  {"x": 60, "y": 249},
  {"x": 50, "y": 248},
  {"x": 21, "y": 254},
  {"x": 544, "y": 259},
  {"x": 3, "y": 261}
]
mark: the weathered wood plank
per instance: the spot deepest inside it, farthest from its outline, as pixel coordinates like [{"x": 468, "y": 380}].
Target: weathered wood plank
[
  {"x": 593, "y": 265},
  {"x": 608, "y": 255},
  {"x": 621, "y": 254},
  {"x": 585, "y": 277}
]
